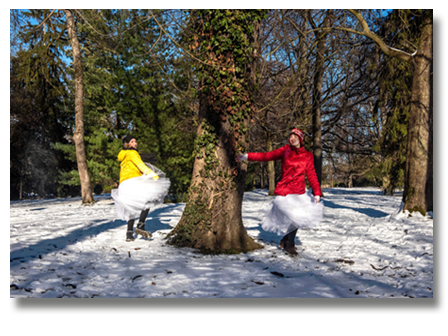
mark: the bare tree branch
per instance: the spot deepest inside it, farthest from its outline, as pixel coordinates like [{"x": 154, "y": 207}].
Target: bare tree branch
[
  {"x": 45, "y": 19},
  {"x": 389, "y": 51}
]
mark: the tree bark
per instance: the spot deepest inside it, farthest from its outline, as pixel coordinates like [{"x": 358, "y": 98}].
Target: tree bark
[
  {"x": 331, "y": 175},
  {"x": 78, "y": 136},
  {"x": 350, "y": 180},
  {"x": 271, "y": 168},
  {"x": 429, "y": 177},
  {"x": 212, "y": 219},
  {"x": 20, "y": 189},
  {"x": 417, "y": 195}
]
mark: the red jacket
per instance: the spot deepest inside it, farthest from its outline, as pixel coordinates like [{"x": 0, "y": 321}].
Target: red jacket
[{"x": 295, "y": 164}]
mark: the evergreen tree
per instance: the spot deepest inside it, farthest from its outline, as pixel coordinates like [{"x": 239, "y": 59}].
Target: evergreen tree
[
  {"x": 127, "y": 94},
  {"x": 418, "y": 189},
  {"x": 39, "y": 112},
  {"x": 392, "y": 109}
]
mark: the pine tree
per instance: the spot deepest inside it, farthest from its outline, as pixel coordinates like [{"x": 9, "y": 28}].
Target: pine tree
[
  {"x": 39, "y": 112},
  {"x": 395, "y": 82},
  {"x": 127, "y": 94},
  {"x": 418, "y": 189}
]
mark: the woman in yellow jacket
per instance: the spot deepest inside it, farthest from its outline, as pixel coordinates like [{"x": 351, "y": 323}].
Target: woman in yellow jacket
[{"x": 139, "y": 187}]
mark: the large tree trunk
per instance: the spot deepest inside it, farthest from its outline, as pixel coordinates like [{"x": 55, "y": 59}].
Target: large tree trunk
[
  {"x": 212, "y": 220},
  {"x": 317, "y": 87},
  {"x": 429, "y": 176},
  {"x": 417, "y": 194},
  {"x": 78, "y": 136},
  {"x": 271, "y": 168}
]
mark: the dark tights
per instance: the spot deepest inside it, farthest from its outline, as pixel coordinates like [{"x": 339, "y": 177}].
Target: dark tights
[
  {"x": 142, "y": 218},
  {"x": 290, "y": 237}
]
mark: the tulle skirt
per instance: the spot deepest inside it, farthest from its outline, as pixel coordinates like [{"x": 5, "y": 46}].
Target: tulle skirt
[
  {"x": 291, "y": 212},
  {"x": 140, "y": 193}
]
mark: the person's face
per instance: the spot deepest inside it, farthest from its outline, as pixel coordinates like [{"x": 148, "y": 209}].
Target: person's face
[
  {"x": 133, "y": 143},
  {"x": 294, "y": 140}
]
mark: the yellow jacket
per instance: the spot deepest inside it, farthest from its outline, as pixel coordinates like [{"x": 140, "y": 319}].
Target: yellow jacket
[{"x": 132, "y": 165}]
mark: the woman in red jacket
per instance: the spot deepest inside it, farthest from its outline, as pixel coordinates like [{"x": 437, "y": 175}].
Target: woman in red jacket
[{"x": 293, "y": 208}]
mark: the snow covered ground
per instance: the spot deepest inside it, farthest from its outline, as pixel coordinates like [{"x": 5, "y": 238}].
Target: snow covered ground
[{"x": 363, "y": 248}]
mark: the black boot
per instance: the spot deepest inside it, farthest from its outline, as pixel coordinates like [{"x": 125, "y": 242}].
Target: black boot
[
  {"x": 129, "y": 236},
  {"x": 288, "y": 244},
  {"x": 141, "y": 230},
  {"x": 283, "y": 241},
  {"x": 290, "y": 248}
]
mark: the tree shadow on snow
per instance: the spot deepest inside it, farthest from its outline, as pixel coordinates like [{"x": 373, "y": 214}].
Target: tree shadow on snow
[
  {"x": 349, "y": 191},
  {"x": 335, "y": 285},
  {"x": 53, "y": 201},
  {"x": 266, "y": 236},
  {"x": 366, "y": 211},
  {"x": 160, "y": 217},
  {"x": 51, "y": 245}
]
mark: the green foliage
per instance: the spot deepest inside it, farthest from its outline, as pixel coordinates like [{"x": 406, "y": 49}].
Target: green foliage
[
  {"x": 39, "y": 112},
  {"x": 224, "y": 40},
  {"x": 395, "y": 84},
  {"x": 125, "y": 94},
  {"x": 204, "y": 146}
]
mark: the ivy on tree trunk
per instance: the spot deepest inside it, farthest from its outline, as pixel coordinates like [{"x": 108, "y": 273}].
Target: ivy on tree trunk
[{"x": 212, "y": 220}]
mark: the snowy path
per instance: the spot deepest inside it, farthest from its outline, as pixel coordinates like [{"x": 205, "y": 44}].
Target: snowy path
[{"x": 361, "y": 249}]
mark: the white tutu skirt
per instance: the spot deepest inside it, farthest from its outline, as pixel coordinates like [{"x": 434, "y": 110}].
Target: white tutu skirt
[
  {"x": 140, "y": 193},
  {"x": 292, "y": 212}
]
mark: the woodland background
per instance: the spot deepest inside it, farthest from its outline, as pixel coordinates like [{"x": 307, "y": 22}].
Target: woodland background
[
  {"x": 141, "y": 75},
  {"x": 198, "y": 87}
]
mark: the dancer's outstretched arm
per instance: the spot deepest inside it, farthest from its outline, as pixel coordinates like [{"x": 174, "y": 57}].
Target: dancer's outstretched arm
[{"x": 276, "y": 154}]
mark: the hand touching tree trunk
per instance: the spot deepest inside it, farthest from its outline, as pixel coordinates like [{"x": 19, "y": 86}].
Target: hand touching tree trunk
[{"x": 212, "y": 220}]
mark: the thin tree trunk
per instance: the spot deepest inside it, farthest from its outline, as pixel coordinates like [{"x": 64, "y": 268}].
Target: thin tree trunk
[
  {"x": 317, "y": 87},
  {"x": 302, "y": 77},
  {"x": 78, "y": 136},
  {"x": 331, "y": 177},
  {"x": 417, "y": 195},
  {"x": 271, "y": 168},
  {"x": 20, "y": 192},
  {"x": 350, "y": 180}
]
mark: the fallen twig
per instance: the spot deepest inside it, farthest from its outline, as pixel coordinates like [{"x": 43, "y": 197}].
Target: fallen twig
[{"x": 379, "y": 269}]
